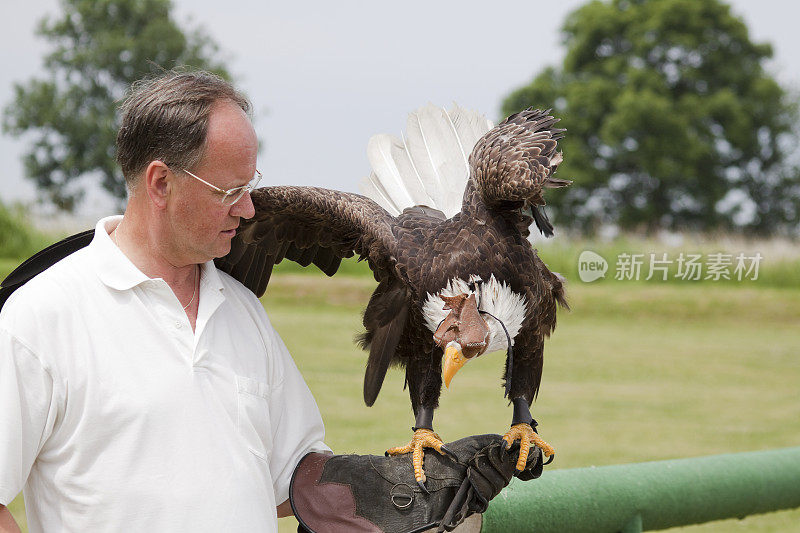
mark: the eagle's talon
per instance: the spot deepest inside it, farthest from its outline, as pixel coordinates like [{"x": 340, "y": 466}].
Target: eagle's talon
[
  {"x": 423, "y": 438},
  {"x": 448, "y": 452},
  {"x": 547, "y": 450},
  {"x": 423, "y": 487},
  {"x": 527, "y": 436}
]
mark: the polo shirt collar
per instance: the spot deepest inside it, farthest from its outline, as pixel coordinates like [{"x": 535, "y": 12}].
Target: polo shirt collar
[
  {"x": 113, "y": 267},
  {"x": 119, "y": 273},
  {"x": 209, "y": 277}
]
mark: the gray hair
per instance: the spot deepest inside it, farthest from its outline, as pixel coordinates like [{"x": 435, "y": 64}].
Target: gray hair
[{"x": 165, "y": 118}]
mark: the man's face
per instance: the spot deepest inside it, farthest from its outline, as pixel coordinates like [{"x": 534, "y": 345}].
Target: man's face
[{"x": 202, "y": 227}]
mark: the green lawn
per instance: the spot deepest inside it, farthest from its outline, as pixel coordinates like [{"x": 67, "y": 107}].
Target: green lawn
[{"x": 636, "y": 372}]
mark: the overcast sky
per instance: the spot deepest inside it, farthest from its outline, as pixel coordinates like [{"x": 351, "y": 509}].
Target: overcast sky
[{"x": 325, "y": 76}]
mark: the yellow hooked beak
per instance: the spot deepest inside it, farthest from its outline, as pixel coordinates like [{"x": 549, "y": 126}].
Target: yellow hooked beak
[{"x": 453, "y": 361}]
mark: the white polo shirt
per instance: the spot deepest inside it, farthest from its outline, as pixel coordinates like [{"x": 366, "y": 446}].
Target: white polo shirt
[{"x": 115, "y": 416}]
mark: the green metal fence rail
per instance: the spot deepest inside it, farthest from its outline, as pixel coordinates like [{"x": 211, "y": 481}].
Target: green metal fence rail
[{"x": 647, "y": 496}]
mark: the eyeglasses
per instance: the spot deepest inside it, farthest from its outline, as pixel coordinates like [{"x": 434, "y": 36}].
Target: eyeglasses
[{"x": 231, "y": 196}]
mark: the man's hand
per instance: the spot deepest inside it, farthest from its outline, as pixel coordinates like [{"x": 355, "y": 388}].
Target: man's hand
[{"x": 364, "y": 493}]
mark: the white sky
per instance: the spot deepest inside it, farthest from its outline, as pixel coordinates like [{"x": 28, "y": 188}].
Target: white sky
[{"x": 325, "y": 76}]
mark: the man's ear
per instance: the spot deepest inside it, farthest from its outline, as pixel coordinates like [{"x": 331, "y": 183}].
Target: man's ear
[{"x": 158, "y": 180}]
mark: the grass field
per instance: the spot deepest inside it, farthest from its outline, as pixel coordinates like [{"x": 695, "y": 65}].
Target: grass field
[{"x": 636, "y": 372}]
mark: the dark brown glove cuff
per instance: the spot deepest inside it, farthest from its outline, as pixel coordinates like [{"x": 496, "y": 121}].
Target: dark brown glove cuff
[{"x": 324, "y": 506}]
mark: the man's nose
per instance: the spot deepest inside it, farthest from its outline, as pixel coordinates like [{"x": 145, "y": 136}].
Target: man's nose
[{"x": 243, "y": 207}]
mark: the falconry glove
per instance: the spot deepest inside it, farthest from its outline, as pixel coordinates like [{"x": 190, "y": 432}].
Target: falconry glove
[{"x": 368, "y": 493}]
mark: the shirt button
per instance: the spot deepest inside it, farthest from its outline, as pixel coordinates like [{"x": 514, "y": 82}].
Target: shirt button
[{"x": 178, "y": 324}]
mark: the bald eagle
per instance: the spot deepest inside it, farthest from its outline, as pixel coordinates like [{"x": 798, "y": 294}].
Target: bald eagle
[{"x": 446, "y": 237}]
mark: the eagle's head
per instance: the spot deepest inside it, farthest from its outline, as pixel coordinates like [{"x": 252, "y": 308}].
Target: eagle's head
[
  {"x": 463, "y": 334},
  {"x": 514, "y": 162},
  {"x": 471, "y": 317}
]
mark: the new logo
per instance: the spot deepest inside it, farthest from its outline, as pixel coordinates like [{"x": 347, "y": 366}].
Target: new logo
[{"x": 591, "y": 266}]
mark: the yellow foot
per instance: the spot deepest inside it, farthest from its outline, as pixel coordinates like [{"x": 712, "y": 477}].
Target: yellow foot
[
  {"x": 423, "y": 438},
  {"x": 526, "y": 436}
]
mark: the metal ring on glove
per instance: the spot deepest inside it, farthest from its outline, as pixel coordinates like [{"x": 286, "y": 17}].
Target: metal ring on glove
[{"x": 402, "y": 496}]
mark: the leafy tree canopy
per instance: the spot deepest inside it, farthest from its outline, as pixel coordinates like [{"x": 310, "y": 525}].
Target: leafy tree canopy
[
  {"x": 99, "y": 48},
  {"x": 672, "y": 119}
]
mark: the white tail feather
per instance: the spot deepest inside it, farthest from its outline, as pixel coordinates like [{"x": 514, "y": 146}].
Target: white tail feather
[
  {"x": 373, "y": 189},
  {"x": 429, "y": 165},
  {"x": 379, "y": 148}
]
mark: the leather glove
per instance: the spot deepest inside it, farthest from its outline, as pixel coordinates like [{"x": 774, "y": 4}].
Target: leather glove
[{"x": 368, "y": 493}]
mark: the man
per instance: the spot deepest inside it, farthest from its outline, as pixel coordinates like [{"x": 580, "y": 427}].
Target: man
[{"x": 141, "y": 388}]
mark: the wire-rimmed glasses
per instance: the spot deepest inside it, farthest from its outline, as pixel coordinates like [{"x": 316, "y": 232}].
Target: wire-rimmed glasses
[{"x": 230, "y": 196}]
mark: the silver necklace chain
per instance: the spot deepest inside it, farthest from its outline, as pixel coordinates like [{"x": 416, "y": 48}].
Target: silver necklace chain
[{"x": 194, "y": 292}]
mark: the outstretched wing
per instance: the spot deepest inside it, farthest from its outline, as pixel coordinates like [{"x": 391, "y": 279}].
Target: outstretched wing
[{"x": 308, "y": 225}]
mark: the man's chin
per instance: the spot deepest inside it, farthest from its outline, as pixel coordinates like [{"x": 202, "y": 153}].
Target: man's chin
[{"x": 223, "y": 249}]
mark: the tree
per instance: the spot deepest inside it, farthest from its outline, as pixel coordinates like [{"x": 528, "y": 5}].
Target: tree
[
  {"x": 100, "y": 48},
  {"x": 672, "y": 120}
]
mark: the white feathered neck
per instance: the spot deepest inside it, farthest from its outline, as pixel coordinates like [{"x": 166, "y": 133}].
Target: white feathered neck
[
  {"x": 429, "y": 165},
  {"x": 493, "y": 296}
]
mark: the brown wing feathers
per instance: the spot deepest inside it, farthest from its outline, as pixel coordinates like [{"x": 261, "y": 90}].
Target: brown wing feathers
[
  {"x": 384, "y": 320},
  {"x": 306, "y": 225}
]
